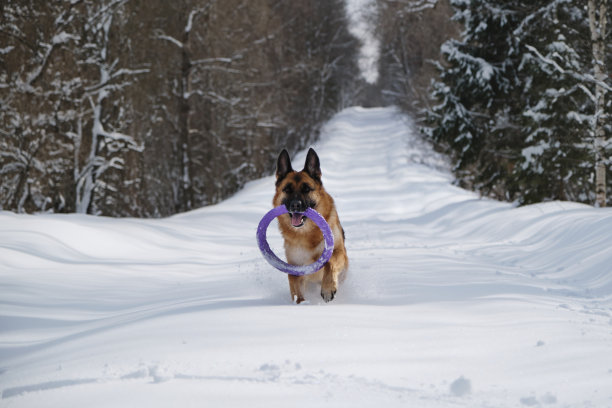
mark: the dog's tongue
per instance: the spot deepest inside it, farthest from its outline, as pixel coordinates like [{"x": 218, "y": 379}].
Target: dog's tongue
[{"x": 296, "y": 219}]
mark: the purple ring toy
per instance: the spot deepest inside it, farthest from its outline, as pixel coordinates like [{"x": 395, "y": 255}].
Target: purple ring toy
[{"x": 296, "y": 270}]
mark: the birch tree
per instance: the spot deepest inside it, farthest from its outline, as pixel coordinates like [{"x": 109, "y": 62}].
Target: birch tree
[{"x": 598, "y": 14}]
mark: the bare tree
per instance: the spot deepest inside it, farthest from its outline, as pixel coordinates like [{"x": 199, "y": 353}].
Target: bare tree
[
  {"x": 32, "y": 108},
  {"x": 411, "y": 33},
  {"x": 105, "y": 143},
  {"x": 221, "y": 88},
  {"x": 184, "y": 199}
]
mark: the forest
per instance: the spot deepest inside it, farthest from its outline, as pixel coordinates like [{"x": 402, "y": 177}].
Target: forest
[
  {"x": 521, "y": 100},
  {"x": 147, "y": 109}
]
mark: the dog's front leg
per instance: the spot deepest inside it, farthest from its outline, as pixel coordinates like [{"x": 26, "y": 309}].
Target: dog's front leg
[
  {"x": 332, "y": 271},
  {"x": 329, "y": 284},
  {"x": 296, "y": 286}
]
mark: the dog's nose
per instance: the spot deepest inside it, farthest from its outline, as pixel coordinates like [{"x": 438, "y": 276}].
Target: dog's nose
[{"x": 296, "y": 206}]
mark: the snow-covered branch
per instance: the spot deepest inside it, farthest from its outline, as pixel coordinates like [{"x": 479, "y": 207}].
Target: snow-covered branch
[
  {"x": 415, "y": 6},
  {"x": 578, "y": 76},
  {"x": 57, "y": 40},
  {"x": 170, "y": 39},
  {"x": 209, "y": 60},
  {"x": 108, "y": 85}
]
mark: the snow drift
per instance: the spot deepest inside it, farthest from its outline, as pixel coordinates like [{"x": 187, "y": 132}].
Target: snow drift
[{"x": 451, "y": 300}]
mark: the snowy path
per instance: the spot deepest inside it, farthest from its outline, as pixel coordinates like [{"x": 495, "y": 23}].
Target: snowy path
[{"x": 451, "y": 300}]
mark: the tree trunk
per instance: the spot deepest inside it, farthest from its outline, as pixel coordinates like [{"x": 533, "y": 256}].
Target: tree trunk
[
  {"x": 598, "y": 33},
  {"x": 186, "y": 192}
]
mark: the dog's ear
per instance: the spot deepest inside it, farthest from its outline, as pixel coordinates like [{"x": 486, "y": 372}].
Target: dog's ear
[
  {"x": 312, "y": 165},
  {"x": 283, "y": 165}
]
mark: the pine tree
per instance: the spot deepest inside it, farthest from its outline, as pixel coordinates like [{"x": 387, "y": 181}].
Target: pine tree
[
  {"x": 557, "y": 161},
  {"x": 549, "y": 165},
  {"x": 477, "y": 89},
  {"x": 518, "y": 105}
]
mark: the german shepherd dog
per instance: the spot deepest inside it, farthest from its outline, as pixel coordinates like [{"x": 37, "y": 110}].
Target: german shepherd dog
[{"x": 304, "y": 241}]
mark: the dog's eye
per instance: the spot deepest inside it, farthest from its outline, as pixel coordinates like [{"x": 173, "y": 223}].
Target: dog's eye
[
  {"x": 288, "y": 189},
  {"x": 306, "y": 189}
]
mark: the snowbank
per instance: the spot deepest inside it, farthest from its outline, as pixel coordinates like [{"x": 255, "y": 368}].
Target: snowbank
[{"x": 452, "y": 300}]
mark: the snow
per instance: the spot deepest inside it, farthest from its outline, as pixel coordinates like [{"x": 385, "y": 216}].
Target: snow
[
  {"x": 63, "y": 37},
  {"x": 484, "y": 71},
  {"x": 451, "y": 300},
  {"x": 531, "y": 153},
  {"x": 360, "y": 14}
]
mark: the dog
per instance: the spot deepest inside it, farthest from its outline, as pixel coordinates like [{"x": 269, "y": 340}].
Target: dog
[{"x": 303, "y": 239}]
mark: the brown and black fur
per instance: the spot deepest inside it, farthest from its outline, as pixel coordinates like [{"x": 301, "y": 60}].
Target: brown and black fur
[{"x": 304, "y": 243}]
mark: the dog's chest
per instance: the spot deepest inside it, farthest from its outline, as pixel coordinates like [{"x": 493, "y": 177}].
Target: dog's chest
[{"x": 299, "y": 255}]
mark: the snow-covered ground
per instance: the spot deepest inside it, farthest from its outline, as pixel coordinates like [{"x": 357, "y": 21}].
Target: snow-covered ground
[{"x": 451, "y": 300}]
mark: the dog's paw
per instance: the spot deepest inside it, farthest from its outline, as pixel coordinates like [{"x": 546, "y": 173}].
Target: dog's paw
[
  {"x": 328, "y": 288},
  {"x": 298, "y": 299},
  {"x": 328, "y": 295}
]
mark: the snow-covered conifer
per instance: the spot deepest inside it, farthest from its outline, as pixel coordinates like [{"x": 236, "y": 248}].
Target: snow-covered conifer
[
  {"x": 517, "y": 100},
  {"x": 477, "y": 94},
  {"x": 552, "y": 163}
]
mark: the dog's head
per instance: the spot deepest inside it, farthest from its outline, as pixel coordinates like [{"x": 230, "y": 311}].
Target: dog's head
[{"x": 298, "y": 190}]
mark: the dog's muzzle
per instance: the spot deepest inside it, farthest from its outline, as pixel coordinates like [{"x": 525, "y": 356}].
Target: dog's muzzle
[{"x": 296, "y": 210}]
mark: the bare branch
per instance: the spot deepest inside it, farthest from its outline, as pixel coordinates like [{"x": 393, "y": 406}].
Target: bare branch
[
  {"x": 415, "y": 6},
  {"x": 170, "y": 39}
]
